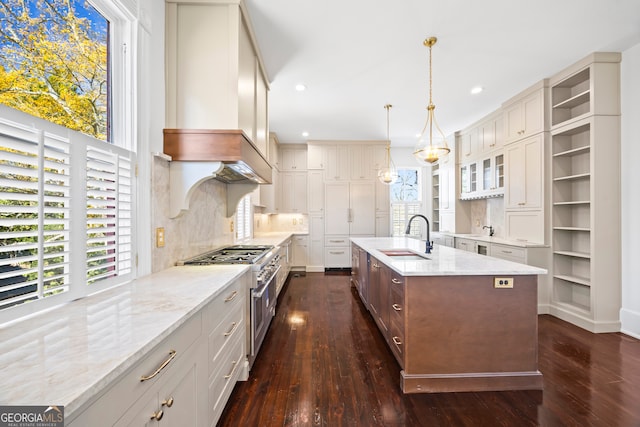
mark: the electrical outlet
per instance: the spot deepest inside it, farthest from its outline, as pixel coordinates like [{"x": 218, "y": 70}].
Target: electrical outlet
[
  {"x": 503, "y": 282},
  {"x": 160, "y": 237}
]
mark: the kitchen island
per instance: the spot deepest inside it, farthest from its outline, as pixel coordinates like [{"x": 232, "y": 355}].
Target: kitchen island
[{"x": 455, "y": 321}]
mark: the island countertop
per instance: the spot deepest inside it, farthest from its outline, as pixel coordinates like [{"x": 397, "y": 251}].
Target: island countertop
[{"x": 442, "y": 261}]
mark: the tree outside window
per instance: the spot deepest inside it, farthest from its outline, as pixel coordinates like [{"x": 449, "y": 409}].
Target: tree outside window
[
  {"x": 405, "y": 201},
  {"x": 54, "y": 63}
]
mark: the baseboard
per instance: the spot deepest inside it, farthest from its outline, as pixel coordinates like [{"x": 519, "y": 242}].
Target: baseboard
[
  {"x": 544, "y": 309},
  {"x": 315, "y": 268},
  {"x": 583, "y": 322},
  {"x": 630, "y": 322}
]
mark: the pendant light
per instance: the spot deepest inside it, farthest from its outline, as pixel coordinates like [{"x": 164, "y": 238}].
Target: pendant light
[
  {"x": 427, "y": 149},
  {"x": 388, "y": 174}
]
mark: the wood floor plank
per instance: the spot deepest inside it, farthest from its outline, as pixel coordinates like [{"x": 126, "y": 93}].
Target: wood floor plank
[{"x": 324, "y": 363}]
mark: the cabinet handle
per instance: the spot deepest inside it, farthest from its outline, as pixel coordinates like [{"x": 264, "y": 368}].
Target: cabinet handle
[
  {"x": 231, "y": 297},
  {"x": 506, "y": 252},
  {"x": 492, "y": 145},
  {"x": 396, "y": 281},
  {"x": 397, "y": 341},
  {"x": 172, "y": 355},
  {"x": 521, "y": 204},
  {"x": 233, "y": 368},
  {"x": 157, "y": 415},
  {"x": 397, "y": 307},
  {"x": 336, "y": 252},
  {"x": 168, "y": 402},
  {"x": 336, "y": 241},
  {"x": 375, "y": 266},
  {"x": 234, "y": 325}
]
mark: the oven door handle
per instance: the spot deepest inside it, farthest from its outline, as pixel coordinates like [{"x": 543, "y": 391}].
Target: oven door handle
[{"x": 258, "y": 292}]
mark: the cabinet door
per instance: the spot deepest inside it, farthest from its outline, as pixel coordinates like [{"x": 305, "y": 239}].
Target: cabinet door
[
  {"x": 300, "y": 251},
  {"x": 293, "y": 159},
  {"x": 361, "y": 162},
  {"x": 362, "y": 208},
  {"x": 338, "y": 163},
  {"x": 273, "y": 151},
  {"x": 269, "y": 193},
  {"x": 337, "y": 208},
  {"x": 315, "y": 261},
  {"x": 246, "y": 84},
  {"x": 293, "y": 192},
  {"x": 524, "y": 172},
  {"x": 316, "y": 191},
  {"x": 533, "y": 113},
  {"x": 513, "y": 125},
  {"x": 384, "y": 284},
  {"x": 316, "y": 156}
]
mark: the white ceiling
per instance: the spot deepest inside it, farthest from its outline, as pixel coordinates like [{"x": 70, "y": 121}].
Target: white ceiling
[{"x": 355, "y": 56}]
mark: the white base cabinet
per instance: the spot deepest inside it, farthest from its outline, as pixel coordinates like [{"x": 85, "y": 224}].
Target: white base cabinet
[{"x": 191, "y": 373}]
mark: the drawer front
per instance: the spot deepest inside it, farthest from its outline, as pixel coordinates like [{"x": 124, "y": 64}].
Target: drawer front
[
  {"x": 337, "y": 257},
  {"x": 231, "y": 326},
  {"x": 396, "y": 339},
  {"x": 330, "y": 241},
  {"x": 129, "y": 387},
  {"x": 227, "y": 373},
  {"x": 226, "y": 302},
  {"x": 510, "y": 253}
]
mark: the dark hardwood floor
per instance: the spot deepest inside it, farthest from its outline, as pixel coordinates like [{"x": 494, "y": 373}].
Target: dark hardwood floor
[{"x": 324, "y": 363}]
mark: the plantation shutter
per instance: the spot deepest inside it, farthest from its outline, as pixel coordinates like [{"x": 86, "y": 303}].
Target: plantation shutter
[{"x": 41, "y": 229}]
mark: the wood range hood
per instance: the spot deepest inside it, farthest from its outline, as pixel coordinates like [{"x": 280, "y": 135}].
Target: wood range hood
[{"x": 240, "y": 161}]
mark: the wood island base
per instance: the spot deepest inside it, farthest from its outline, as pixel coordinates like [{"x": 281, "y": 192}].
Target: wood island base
[{"x": 490, "y": 381}]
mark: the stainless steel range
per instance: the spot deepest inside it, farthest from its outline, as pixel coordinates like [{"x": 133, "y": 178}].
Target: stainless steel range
[{"x": 265, "y": 264}]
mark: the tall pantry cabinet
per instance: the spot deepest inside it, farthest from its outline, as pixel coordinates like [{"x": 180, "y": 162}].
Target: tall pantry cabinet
[
  {"x": 345, "y": 173},
  {"x": 585, "y": 173}
]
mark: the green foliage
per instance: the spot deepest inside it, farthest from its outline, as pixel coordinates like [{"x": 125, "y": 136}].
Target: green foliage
[{"x": 53, "y": 64}]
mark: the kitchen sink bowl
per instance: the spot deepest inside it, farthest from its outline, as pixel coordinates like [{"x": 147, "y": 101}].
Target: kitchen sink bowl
[{"x": 404, "y": 255}]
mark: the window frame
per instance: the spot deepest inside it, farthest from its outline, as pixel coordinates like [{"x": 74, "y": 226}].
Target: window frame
[{"x": 123, "y": 34}]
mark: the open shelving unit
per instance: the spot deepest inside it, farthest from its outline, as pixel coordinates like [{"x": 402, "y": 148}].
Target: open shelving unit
[{"x": 585, "y": 176}]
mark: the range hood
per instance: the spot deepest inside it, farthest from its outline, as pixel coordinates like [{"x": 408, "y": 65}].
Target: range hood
[{"x": 240, "y": 161}]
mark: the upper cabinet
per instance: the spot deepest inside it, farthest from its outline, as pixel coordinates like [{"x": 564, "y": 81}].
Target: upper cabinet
[
  {"x": 215, "y": 78},
  {"x": 293, "y": 158},
  {"x": 524, "y": 114}
]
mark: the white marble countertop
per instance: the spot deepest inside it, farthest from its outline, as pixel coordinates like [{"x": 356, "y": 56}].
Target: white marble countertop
[
  {"x": 494, "y": 239},
  {"x": 70, "y": 353},
  {"x": 442, "y": 261}
]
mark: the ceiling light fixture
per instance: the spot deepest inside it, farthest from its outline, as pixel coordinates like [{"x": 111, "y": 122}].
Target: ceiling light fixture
[
  {"x": 388, "y": 174},
  {"x": 427, "y": 152},
  {"x": 305, "y": 134},
  {"x": 300, "y": 87},
  {"x": 476, "y": 90}
]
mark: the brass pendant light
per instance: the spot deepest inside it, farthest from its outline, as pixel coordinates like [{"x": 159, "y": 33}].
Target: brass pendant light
[
  {"x": 388, "y": 174},
  {"x": 430, "y": 151}
]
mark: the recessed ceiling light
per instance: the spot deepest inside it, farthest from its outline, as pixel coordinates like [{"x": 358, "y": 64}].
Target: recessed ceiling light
[
  {"x": 305, "y": 134},
  {"x": 476, "y": 90},
  {"x": 300, "y": 87}
]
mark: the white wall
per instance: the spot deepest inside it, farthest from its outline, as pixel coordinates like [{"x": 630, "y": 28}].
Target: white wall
[{"x": 630, "y": 176}]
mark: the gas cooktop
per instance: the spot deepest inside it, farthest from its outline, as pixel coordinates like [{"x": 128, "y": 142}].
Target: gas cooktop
[{"x": 237, "y": 254}]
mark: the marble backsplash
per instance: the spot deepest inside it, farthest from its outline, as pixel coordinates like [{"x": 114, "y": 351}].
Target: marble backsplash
[
  {"x": 488, "y": 212},
  {"x": 202, "y": 227}
]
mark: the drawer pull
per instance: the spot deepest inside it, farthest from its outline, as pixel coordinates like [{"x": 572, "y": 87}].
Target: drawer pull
[
  {"x": 172, "y": 355},
  {"x": 396, "y": 281},
  {"x": 336, "y": 252},
  {"x": 397, "y": 307},
  {"x": 233, "y": 368},
  {"x": 234, "y": 326},
  {"x": 336, "y": 241},
  {"x": 397, "y": 341},
  {"x": 157, "y": 415},
  {"x": 231, "y": 297},
  {"x": 168, "y": 402},
  {"x": 506, "y": 252}
]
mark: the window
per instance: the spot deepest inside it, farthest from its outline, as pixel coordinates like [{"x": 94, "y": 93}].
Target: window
[
  {"x": 67, "y": 196},
  {"x": 405, "y": 201},
  {"x": 244, "y": 222}
]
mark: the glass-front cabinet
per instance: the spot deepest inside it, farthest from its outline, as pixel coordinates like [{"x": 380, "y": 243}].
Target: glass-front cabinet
[{"x": 483, "y": 178}]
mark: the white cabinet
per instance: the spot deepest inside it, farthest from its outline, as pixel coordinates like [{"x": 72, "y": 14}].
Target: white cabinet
[
  {"x": 468, "y": 180},
  {"x": 274, "y": 151},
  {"x": 187, "y": 378},
  {"x": 468, "y": 145},
  {"x": 215, "y": 79},
  {"x": 293, "y": 192},
  {"x": 338, "y": 167},
  {"x": 293, "y": 159},
  {"x": 468, "y": 245},
  {"x": 269, "y": 194},
  {"x": 491, "y": 133},
  {"x": 315, "y": 261},
  {"x": 300, "y": 250},
  {"x": 524, "y": 114},
  {"x": 361, "y": 159},
  {"x": 315, "y": 197},
  {"x": 491, "y": 170},
  {"x": 525, "y": 172},
  {"x": 316, "y": 156}
]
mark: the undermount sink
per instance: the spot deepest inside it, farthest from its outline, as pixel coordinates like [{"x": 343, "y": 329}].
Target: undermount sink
[{"x": 404, "y": 255}]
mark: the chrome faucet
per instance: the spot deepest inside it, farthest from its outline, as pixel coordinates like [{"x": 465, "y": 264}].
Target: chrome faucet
[
  {"x": 490, "y": 229},
  {"x": 408, "y": 230}
]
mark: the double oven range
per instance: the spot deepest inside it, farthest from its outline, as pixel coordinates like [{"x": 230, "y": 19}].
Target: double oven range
[{"x": 265, "y": 263}]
